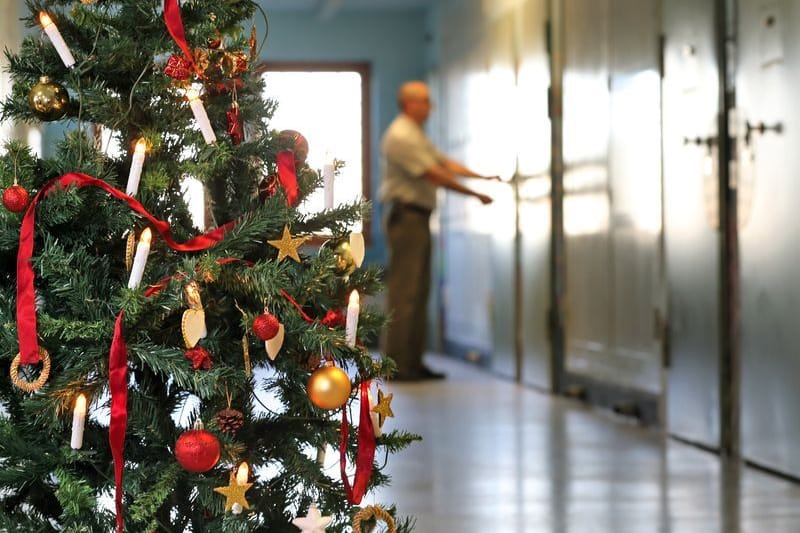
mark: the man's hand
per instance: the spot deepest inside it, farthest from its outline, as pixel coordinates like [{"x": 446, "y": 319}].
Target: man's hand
[{"x": 484, "y": 198}]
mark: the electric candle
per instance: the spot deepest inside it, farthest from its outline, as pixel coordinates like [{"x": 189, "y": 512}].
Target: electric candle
[
  {"x": 51, "y": 30},
  {"x": 78, "y": 422},
  {"x": 351, "y": 327},
  {"x": 200, "y": 115},
  {"x": 136, "y": 167},
  {"x": 139, "y": 261},
  {"x": 327, "y": 178}
]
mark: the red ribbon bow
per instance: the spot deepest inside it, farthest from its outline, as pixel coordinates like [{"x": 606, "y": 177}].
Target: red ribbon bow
[
  {"x": 199, "y": 357},
  {"x": 334, "y": 318}
]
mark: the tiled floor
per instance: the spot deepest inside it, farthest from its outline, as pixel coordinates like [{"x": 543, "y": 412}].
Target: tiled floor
[{"x": 498, "y": 458}]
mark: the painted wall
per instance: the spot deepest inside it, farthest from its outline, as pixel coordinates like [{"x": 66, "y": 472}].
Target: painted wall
[{"x": 394, "y": 42}]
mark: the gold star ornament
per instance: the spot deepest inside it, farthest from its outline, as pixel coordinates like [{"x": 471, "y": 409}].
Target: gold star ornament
[
  {"x": 384, "y": 407},
  {"x": 234, "y": 493},
  {"x": 287, "y": 245}
]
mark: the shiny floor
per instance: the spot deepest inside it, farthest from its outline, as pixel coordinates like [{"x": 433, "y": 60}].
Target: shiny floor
[{"x": 499, "y": 458}]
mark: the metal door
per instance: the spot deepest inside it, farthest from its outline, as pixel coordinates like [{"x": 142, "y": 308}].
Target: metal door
[
  {"x": 499, "y": 157},
  {"x": 586, "y": 184},
  {"x": 691, "y": 105},
  {"x": 533, "y": 171},
  {"x": 768, "y": 74},
  {"x": 612, "y": 204}
]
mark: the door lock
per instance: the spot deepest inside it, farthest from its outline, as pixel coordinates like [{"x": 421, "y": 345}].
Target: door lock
[{"x": 761, "y": 129}]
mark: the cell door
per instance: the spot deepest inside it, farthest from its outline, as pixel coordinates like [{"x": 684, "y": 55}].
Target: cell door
[
  {"x": 691, "y": 219},
  {"x": 612, "y": 202},
  {"x": 768, "y": 124}
]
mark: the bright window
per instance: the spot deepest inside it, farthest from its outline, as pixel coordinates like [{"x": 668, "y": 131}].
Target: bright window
[{"x": 327, "y": 105}]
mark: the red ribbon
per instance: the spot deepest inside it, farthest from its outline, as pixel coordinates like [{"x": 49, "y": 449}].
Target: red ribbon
[
  {"x": 287, "y": 174},
  {"x": 118, "y": 355},
  {"x": 332, "y": 318},
  {"x": 118, "y": 383},
  {"x": 366, "y": 450},
  {"x": 174, "y": 22},
  {"x": 297, "y": 306}
]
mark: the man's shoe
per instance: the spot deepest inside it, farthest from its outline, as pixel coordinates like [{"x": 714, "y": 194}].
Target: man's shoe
[{"x": 427, "y": 373}]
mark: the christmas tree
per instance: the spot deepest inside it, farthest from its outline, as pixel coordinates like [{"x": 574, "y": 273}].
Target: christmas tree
[{"x": 165, "y": 377}]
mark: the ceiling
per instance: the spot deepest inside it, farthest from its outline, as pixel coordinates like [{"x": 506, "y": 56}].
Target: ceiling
[{"x": 329, "y": 7}]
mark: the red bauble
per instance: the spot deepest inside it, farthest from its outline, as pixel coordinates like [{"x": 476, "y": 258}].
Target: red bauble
[
  {"x": 294, "y": 141},
  {"x": 197, "y": 450},
  {"x": 15, "y": 198},
  {"x": 266, "y": 326}
]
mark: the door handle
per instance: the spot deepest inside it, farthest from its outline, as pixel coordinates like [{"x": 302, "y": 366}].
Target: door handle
[
  {"x": 761, "y": 129},
  {"x": 708, "y": 142}
]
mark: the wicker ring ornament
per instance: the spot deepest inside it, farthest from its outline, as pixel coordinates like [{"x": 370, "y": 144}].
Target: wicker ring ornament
[
  {"x": 31, "y": 386},
  {"x": 373, "y": 511}
]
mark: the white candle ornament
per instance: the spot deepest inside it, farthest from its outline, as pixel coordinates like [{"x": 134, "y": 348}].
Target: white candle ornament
[
  {"x": 242, "y": 473},
  {"x": 200, "y": 115},
  {"x": 78, "y": 422},
  {"x": 137, "y": 164},
  {"x": 140, "y": 260},
  {"x": 51, "y": 30},
  {"x": 327, "y": 179},
  {"x": 351, "y": 327}
]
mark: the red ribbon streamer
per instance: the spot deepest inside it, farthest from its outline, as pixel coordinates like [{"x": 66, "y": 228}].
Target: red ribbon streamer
[
  {"x": 118, "y": 383},
  {"x": 287, "y": 174},
  {"x": 297, "y": 306},
  {"x": 174, "y": 22},
  {"x": 366, "y": 450},
  {"x": 118, "y": 355}
]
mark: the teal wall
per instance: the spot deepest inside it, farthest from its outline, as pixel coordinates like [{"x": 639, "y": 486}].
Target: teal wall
[{"x": 393, "y": 42}]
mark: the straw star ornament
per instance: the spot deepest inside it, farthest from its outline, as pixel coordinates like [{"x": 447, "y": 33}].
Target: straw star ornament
[{"x": 287, "y": 245}]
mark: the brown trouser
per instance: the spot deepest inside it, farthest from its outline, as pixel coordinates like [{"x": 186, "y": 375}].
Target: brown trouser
[{"x": 409, "y": 281}]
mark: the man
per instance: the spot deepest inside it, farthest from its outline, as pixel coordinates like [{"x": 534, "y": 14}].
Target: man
[{"x": 413, "y": 168}]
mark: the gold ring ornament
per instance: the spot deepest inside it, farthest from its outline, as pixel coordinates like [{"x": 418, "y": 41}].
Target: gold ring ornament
[
  {"x": 31, "y": 386},
  {"x": 373, "y": 511}
]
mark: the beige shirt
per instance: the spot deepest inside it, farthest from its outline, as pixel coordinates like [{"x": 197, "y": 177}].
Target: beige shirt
[{"x": 407, "y": 154}]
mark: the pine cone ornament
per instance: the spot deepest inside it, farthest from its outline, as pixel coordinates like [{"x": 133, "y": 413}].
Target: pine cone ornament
[{"x": 230, "y": 420}]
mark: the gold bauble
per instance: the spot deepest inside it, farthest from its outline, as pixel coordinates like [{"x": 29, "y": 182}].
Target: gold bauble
[
  {"x": 345, "y": 264},
  {"x": 329, "y": 387},
  {"x": 48, "y": 100}
]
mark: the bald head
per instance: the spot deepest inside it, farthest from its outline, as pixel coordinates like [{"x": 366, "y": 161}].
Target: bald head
[{"x": 414, "y": 100}]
